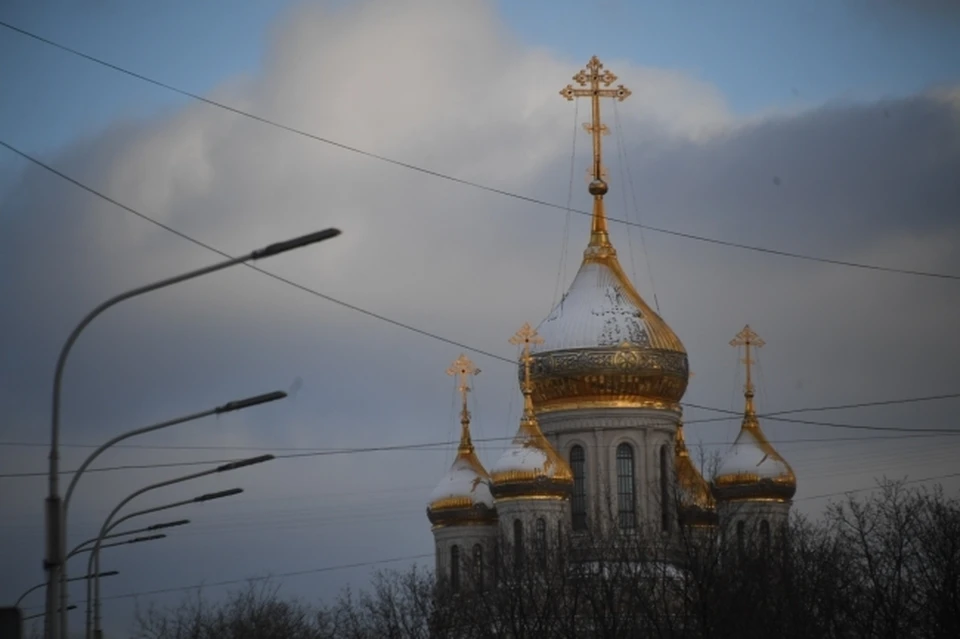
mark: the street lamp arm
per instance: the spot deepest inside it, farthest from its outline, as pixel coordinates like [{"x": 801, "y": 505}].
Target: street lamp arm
[
  {"x": 127, "y": 435},
  {"x": 93, "y": 563},
  {"x": 56, "y": 543},
  {"x": 26, "y": 592}
]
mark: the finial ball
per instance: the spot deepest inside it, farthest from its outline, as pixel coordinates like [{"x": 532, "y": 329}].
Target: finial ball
[{"x": 598, "y": 187}]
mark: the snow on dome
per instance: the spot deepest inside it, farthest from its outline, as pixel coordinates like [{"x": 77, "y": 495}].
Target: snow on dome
[
  {"x": 530, "y": 466},
  {"x": 748, "y": 457},
  {"x": 602, "y": 309},
  {"x": 752, "y": 469},
  {"x": 465, "y": 483}
]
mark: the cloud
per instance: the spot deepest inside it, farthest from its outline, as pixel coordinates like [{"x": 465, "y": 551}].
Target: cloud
[{"x": 448, "y": 87}]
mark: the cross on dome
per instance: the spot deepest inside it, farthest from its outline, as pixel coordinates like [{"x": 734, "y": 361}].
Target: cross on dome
[{"x": 593, "y": 79}]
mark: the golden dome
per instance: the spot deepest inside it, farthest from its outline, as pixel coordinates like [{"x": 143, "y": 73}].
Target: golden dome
[
  {"x": 753, "y": 470},
  {"x": 603, "y": 345},
  {"x": 697, "y": 505},
  {"x": 463, "y": 496},
  {"x": 530, "y": 467}
]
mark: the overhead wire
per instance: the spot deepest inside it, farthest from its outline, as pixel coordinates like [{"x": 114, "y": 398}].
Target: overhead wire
[
  {"x": 561, "y": 269},
  {"x": 465, "y": 182},
  {"x": 231, "y": 582}
]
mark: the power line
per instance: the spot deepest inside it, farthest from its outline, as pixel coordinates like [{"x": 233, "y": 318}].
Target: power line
[
  {"x": 464, "y": 182},
  {"x": 213, "y": 249},
  {"x": 810, "y": 422},
  {"x": 294, "y": 573},
  {"x": 353, "y": 307},
  {"x": 860, "y": 490},
  {"x": 441, "y": 446}
]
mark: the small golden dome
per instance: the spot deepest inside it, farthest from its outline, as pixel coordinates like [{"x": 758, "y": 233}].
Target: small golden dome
[
  {"x": 463, "y": 496},
  {"x": 753, "y": 470},
  {"x": 697, "y": 506},
  {"x": 530, "y": 467}
]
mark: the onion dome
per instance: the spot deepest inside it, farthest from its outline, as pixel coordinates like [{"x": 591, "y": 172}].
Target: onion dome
[
  {"x": 463, "y": 496},
  {"x": 697, "y": 506},
  {"x": 530, "y": 467},
  {"x": 603, "y": 345},
  {"x": 752, "y": 469}
]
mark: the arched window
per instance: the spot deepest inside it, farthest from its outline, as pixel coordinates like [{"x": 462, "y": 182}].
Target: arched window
[
  {"x": 578, "y": 502},
  {"x": 541, "y": 541},
  {"x": 626, "y": 501},
  {"x": 765, "y": 535},
  {"x": 517, "y": 543},
  {"x": 478, "y": 566},
  {"x": 455, "y": 568},
  {"x": 664, "y": 488}
]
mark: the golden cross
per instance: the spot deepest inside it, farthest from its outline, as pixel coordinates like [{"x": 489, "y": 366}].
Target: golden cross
[
  {"x": 526, "y": 336},
  {"x": 462, "y": 368},
  {"x": 593, "y": 77},
  {"x": 747, "y": 338}
]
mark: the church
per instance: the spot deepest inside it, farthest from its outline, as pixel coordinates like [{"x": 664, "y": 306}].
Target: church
[{"x": 600, "y": 450}]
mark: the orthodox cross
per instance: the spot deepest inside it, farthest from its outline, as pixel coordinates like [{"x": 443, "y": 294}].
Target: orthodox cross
[
  {"x": 462, "y": 368},
  {"x": 747, "y": 338},
  {"x": 593, "y": 77},
  {"x": 526, "y": 336}
]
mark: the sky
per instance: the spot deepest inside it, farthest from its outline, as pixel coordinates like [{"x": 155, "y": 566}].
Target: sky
[{"x": 831, "y": 130}]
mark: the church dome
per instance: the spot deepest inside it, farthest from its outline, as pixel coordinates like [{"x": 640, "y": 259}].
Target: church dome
[
  {"x": 753, "y": 470},
  {"x": 697, "y": 505},
  {"x": 463, "y": 496},
  {"x": 603, "y": 345},
  {"x": 530, "y": 467}
]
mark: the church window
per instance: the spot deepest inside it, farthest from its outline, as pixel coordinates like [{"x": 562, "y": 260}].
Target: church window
[
  {"x": 541, "y": 541},
  {"x": 478, "y": 565},
  {"x": 664, "y": 488},
  {"x": 455, "y": 568},
  {"x": 517, "y": 543},
  {"x": 578, "y": 505},
  {"x": 626, "y": 499}
]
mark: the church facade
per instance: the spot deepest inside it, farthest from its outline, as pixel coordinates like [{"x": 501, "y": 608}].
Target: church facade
[{"x": 600, "y": 450}]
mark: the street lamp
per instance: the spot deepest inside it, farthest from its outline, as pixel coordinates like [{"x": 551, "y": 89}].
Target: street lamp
[
  {"x": 40, "y": 614},
  {"x": 108, "y": 524},
  {"x": 235, "y": 405},
  {"x": 79, "y": 548},
  {"x": 56, "y": 542},
  {"x": 40, "y": 585}
]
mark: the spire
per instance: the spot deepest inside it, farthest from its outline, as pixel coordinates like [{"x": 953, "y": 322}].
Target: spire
[
  {"x": 463, "y": 369},
  {"x": 753, "y": 470},
  {"x": 593, "y": 77},
  {"x": 526, "y": 336},
  {"x": 747, "y": 338}
]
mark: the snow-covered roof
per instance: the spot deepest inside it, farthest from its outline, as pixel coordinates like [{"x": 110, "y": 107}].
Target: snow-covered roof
[
  {"x": 752, "y": 456},
  {"x": 464, "y": 481},
  {"x": 531, "y": 460},
  {"x": 602, "y": 309}
]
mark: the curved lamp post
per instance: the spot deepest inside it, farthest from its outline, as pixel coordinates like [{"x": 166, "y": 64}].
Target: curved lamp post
[
  {"x": 235, "y": 405},
  {"x": 56, "y": 542},
  {"x": 109, "y": 573},
  {"x": 108, "y": 524},
  {"x": 79, "y": 548}
]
